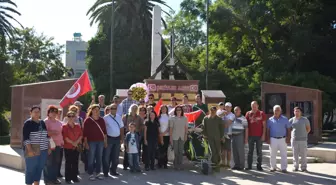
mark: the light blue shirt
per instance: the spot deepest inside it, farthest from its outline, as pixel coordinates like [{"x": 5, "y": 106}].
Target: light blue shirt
[
  {"x": 120, "y": 110},
  {"x": 278, "y": 127},
  {"x": 113, "y": 126}
]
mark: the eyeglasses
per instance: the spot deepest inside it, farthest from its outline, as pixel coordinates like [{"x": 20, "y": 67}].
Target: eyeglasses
[
  {"x": 71, "y": 116},
  {"x": 142, "y": 109},
  {"x": 178, "y": 110},
  {"x": 129, "y": 94},
  {"x": 113, "y": 108},
  {"x": 54, "y": 110}
]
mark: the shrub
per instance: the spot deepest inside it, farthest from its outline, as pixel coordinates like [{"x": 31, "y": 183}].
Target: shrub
[{"x": 4, "y": 125}]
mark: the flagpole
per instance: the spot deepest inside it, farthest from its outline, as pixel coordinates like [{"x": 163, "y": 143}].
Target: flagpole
[{"x": 111, "y": 52}]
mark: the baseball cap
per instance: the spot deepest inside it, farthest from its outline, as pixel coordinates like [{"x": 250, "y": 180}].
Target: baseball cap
[
  {"x": 78, "y": 103},
  {"x": 228, "y": 104},
  {"x": 221, "y": 103}
]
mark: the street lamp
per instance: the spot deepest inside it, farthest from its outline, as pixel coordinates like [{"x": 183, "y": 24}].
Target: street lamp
[
  {"x": 111, "y": 51},
  {"x": 207, "y": 46}
]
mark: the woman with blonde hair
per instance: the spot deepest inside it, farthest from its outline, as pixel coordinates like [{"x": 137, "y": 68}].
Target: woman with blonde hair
[
  {"x": 72, "y": 134},
  {"x": 94, "y": 133}
]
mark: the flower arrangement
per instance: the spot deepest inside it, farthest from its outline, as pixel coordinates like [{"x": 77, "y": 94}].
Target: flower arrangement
[{"x": 140, "y": 91}]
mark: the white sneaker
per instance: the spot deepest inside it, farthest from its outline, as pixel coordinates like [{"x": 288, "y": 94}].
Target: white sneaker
[
  {"x": 100, "y": 177},
  {"x": 92, "y": 178}
]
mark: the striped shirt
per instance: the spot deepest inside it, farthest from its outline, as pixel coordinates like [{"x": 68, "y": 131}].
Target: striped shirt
[{"x": 35, "y": 133}]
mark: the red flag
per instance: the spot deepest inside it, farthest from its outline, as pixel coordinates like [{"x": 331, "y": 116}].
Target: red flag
[
  {"x": 192, "y": 116},
  {"x": 79, "y": 88},
  {"x": 157, "y": 107}
]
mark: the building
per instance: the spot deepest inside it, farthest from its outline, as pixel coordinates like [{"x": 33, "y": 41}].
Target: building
[{"x": 76, "y": 54}]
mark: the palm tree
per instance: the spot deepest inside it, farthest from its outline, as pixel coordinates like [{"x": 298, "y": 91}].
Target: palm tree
[
  {"x": 7, "y": 7},
  {"x": 137, "y": 13}
]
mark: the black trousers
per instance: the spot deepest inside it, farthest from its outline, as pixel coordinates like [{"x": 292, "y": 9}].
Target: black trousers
[
  {"x": 254, "y": 140},
  {"x": 60, "y": 162},
  {"x": 71, "y": 164},
  {"x": 151, "y": 150},
  {"x": 163, "y": 149}
]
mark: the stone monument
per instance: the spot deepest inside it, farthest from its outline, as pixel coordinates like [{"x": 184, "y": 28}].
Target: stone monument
[{"x": 156, "y": 56}]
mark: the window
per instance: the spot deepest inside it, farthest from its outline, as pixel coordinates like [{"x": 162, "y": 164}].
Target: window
[{"x": 80, "y": 55}]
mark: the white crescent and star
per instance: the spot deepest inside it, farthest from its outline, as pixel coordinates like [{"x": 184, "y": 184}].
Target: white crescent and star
[{"x": 74, "y": 94}]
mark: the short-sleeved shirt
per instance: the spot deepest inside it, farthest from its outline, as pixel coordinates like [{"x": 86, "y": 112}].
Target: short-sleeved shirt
[
  {"x": 55, "y": 126},
  {"x": 152, "y": 130},
  {"x": 91, "y": 130},
  {"x": 229, "y": 117},
  {"x": 113, "y": 125},
  {"x": 239, "y": 124},
  {"x": 132, "y": 145},
  {"x": 278, "y": 126},
  {"x": 179, "y": 125},
  {"x": 35, "y": 133},
  {"x": 299, "y": 132},
  {"x": 255, "y": 122},
  {"x": 72, "y": 133}
]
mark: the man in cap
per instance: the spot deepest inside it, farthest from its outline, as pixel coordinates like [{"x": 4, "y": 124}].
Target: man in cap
[
  {"x": 82, "y": 113},
  {"x": 213, "y": 131}
]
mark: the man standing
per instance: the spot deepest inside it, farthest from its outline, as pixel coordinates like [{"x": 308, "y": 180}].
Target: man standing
[
  {"x": 228, "y": 119},
  {"x": 213, "y": 131},
  {"x": 239, "y": 139},
  {"x": 256, "y": 134},
  {"x": 200, "y": 105},
  {"x": 115, "y": 136},
  {"x": 82, "y": 113},
  {"x": 300, "y": 129},
  {"x": 116, "y": 101},
  {"x": 101, "y": 101},
  {"x": 187, "y": 108},
  {"x": 126, "y": 103},
  {"x": 278, "y": 130},
  {"x": 151, "y": 100}
]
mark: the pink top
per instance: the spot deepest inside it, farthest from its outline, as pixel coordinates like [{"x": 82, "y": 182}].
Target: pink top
[{"x": 55, "y": 125}]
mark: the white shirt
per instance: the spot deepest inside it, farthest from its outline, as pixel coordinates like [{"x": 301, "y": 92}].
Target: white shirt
[
  {"x": 164, "y": 123},
  {"x": 113, "y": 127},
  {"x": 230, "y": 117},
  {"x": 132, "y": 145}
]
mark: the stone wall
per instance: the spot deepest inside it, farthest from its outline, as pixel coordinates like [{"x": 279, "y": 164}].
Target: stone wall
[{"x": 27, "y": 95}]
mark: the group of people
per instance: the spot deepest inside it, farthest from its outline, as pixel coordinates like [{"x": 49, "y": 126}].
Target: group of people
[{"x": 98, "y": 136}]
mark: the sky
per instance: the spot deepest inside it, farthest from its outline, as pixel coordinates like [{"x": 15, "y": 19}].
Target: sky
[{"x": 61, "y": 18}]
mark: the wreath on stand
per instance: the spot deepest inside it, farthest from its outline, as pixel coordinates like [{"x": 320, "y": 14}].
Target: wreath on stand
[{"x": 140, "y": 92}]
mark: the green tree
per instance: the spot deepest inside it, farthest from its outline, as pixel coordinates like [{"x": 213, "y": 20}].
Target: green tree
[
  {"x": 7, "y": 9},
  {"x": 35, "y": 57}
]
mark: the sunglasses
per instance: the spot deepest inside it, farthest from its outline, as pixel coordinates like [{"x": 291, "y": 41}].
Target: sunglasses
[
  {"x": 129, "y": 94},
  {"x": 71, "y": 116},
  {"x": 54, "y": 110},
  {"x": 142, "y": 109}
]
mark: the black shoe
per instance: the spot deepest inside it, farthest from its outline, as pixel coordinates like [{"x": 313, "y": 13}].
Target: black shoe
[
  {"x": 165, "y": 167},
  {"x": 125, "y": 168},
  {"x": 259, "y": 168},
  {"x": 152, "y": 168},
  {"x": 60, "y": 176},
  {"x": 106, "y": 175},
  {"x": 57, "y": 182},
  {"x": 114, "y": 173},
  {"x": 68, "y": 182},
  {"x": 147, "y": 169},
  {"x": 249, "y": 168},
  {"x": 76, "y": 180},
  {"x": 235, "y": 168}
]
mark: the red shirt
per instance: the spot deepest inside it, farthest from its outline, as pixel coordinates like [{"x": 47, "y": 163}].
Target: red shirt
[
  {"x": 91, "y": 130},
  {"x": 72, "y": 133},
  {"x": 255, "y": 122}
]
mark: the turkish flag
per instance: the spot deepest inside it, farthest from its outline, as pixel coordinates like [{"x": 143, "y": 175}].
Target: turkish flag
[
  {"x": 157, "y": 107},
  {"x": 192, "y": 116},
  {"x": 79, "y": 88}
]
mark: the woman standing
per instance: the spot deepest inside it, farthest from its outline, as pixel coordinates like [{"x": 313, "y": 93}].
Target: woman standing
[
  {"x": 152, "y": 131},
  {"x": 54, "y": 127},
  {"x": 132, "y": 117},
  {"x": 143, "y": 116},
  {"x": 178, "y": 134},
  {"x": 72, "y": 134},
  {"x": 94, "y": 133},
  {"x": 35, "y": 145},
  {"x": 164, "y": 132}
]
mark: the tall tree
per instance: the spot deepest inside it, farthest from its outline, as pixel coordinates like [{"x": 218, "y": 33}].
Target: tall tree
[{"x": 7, "y": 9}]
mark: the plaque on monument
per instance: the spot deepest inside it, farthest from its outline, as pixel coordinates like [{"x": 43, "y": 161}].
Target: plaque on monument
[
  {"x": 272, "y": 99},
  {"x": 307, "y": 111}
]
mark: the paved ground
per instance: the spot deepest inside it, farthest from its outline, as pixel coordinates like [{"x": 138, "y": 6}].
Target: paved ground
[{"x": 320, "y": 173}]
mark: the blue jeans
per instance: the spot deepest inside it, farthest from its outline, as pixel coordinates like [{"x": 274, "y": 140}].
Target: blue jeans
[
  {"x": 95, "y": 155},
  {"x": 50, "y": 170},
  {"x": 111, "y": 155},
  {"x": 133, "y": 161},
  {"x": 34, "y": 167}
]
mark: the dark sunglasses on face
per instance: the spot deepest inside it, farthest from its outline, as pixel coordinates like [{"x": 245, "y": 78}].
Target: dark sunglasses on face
[
  {"x": 71, "y": 116},
  {"x": 54, "y": 110}
]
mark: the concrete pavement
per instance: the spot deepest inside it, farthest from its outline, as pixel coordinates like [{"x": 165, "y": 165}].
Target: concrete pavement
[{"x": 320, "y": 174}]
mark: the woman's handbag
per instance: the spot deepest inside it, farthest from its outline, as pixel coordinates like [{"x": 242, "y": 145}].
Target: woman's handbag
[{"x": 170, "y": 153}]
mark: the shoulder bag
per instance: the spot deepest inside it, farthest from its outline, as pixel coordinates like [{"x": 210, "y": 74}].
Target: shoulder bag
[
  {"x": 35, "y": 147},
  {"x": 98, "y": 126}
]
